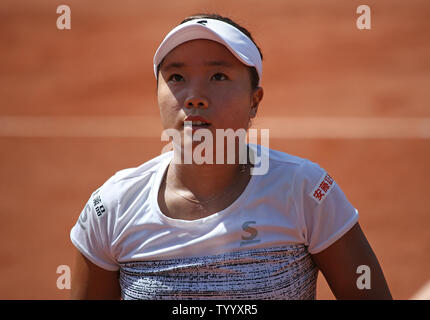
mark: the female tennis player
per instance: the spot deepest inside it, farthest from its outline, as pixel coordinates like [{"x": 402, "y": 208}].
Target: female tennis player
[{"x": 176, "y": 229}]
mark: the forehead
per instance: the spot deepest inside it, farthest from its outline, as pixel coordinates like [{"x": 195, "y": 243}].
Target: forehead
[{"x": 201, "y": 51}]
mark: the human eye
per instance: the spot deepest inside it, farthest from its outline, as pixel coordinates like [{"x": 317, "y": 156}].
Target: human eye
[
  {"x": 219, "y": 77},
  {"x": 176, "y": 78}
]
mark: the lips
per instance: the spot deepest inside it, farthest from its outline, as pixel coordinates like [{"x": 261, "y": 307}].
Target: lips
[{"x": 197, "y": 122}]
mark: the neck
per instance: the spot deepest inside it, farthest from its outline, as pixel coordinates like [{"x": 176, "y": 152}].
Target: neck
[{"x": 205, "y": 180}]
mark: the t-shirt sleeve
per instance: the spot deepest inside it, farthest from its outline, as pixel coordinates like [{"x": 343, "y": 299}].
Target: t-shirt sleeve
[
  {"x": 92, "y": 233},
  {"x": 327, "y": 213}
]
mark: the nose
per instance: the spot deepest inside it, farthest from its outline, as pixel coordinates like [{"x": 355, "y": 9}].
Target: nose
[{"x": 196, "y": 102}]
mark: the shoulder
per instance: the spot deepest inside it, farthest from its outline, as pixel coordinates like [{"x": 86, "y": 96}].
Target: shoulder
[
  {"x": 144, "y": 170},
  {"x": 269, "y": 162},
  {"x": 126, "y": 182},
  {"x": 303, "y": 175},
  {"x": 300, "y": 167}
]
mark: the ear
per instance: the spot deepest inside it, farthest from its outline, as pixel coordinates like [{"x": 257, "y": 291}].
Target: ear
[{"x": 257, "y": 96}]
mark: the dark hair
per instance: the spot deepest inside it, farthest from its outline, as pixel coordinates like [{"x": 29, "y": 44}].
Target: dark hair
[{"x": 253, "y": 72}]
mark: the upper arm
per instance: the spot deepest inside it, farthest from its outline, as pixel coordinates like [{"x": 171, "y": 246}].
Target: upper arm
[
  {"x": 92, "y": 282},
  {"x": 92, "y": 235},
  {"x": 339, "y": 263}
]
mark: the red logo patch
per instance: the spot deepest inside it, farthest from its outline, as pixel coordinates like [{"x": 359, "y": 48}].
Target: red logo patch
[{"x": 322, "y": 188}]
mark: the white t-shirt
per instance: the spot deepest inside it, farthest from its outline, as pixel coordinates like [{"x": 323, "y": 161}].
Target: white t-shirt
[{"x": 257, "y": 248}]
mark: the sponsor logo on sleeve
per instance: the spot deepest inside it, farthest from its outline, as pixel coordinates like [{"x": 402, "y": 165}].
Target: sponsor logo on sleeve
[
  {"x": 98, "y": 204},
  {"x": 322, "y": 188}
]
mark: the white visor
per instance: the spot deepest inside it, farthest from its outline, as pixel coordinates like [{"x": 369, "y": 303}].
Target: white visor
[{"x": 232, "y": 38}]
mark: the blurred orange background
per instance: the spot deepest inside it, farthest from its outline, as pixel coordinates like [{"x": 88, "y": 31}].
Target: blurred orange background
[{"x": 98, "y": 76}]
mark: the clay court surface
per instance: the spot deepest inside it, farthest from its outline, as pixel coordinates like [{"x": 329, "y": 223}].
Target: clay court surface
[{"x": 78, "y": 105}]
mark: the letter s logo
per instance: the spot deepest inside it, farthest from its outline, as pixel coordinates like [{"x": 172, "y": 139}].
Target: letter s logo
[{"x": 253, "y": 232}]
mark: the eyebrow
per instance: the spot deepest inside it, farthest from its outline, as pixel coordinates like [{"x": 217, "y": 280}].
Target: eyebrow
[
  {"x": 219, "y": 63},
  {"x": 173, "y": 65},
  {"x": 177, "y": 65}
]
